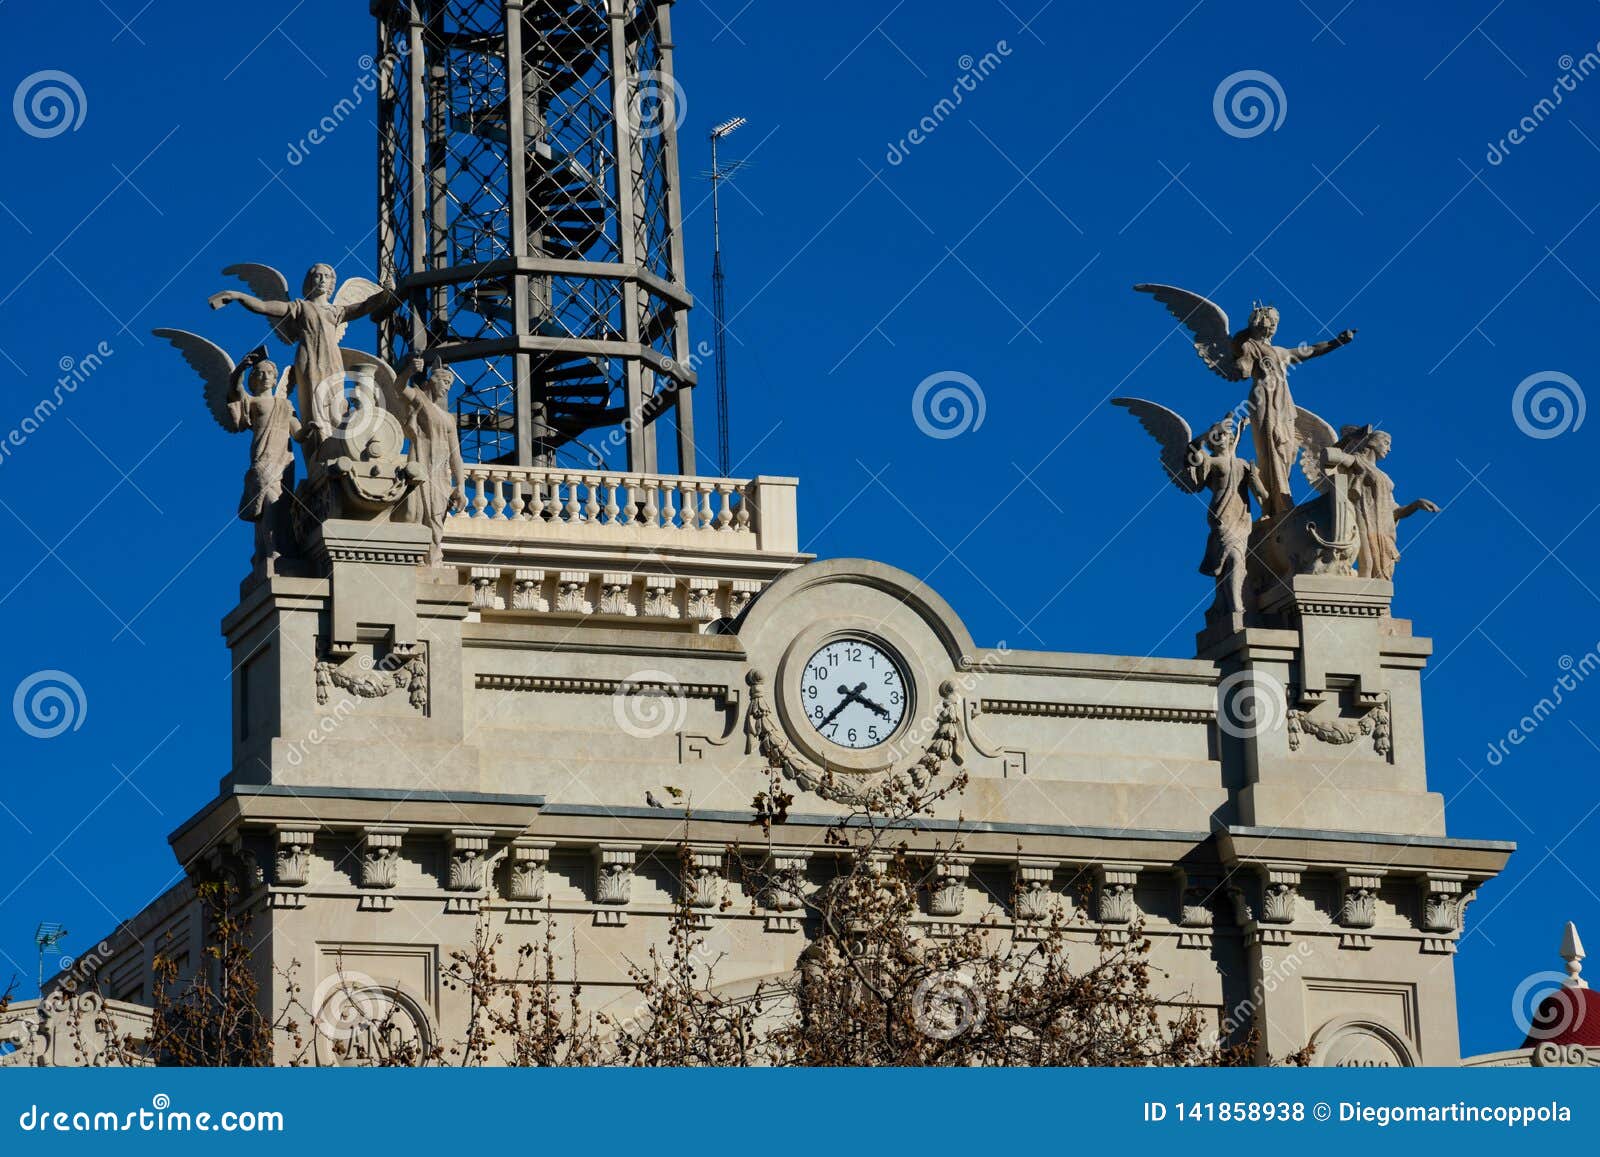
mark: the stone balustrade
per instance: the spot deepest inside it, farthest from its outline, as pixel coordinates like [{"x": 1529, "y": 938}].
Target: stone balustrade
[{"x": 719, "y": 514}]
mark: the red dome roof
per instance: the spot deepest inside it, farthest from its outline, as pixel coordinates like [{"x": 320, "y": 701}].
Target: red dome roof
[{"x": 1568, "y": 1016}]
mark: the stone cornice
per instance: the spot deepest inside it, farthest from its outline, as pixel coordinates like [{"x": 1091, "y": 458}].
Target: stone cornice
[
  {"x": 1127, "y": 711},
  {"x": 722, "y": 693}
]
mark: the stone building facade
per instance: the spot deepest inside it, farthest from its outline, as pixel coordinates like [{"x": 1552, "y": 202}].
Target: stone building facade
[{"x": 417, "y": 749}]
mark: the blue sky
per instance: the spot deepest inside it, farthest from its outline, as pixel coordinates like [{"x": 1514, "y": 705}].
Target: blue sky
[{"x": 1001, "y": 247}]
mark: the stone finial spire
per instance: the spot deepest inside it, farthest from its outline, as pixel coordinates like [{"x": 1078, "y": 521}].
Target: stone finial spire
[{"x": 1572, "y": 953}]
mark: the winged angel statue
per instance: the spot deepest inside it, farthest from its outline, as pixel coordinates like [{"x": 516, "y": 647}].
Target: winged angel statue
[
  {"x": 1251, "y": 355},
  {"x": 392, "y": 444},
  {"x": 1210, "y": 462},
  {"x": 314, "y": 323},
  {"x": 1349, "y": 459},
  {"x": 268, "y": 413}
]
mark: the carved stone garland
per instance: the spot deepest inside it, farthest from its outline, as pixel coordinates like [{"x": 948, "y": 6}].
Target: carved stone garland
[
  {"x": 764, "y": 733},
  {"x": 367, "y": 680},
  {"x": 1374, "y": 723}
]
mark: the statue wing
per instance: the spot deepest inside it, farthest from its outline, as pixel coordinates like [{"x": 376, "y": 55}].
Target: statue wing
[
  {"x": 1314, "y": 436},
  {"x": 1171, "y": 431},
  {"x": 264, "y": 281},
  {"x": 213, "y": 365},
  {"x": 361, "y": 297},
  {"x": 267, "y": 284},
  {"x": 1213, "y": 338}
]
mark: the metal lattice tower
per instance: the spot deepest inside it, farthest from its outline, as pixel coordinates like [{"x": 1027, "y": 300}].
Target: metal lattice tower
[{"x": 530, "y": 217}]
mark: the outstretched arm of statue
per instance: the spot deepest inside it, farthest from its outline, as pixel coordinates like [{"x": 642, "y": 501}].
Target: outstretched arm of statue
[
  {"x": 272, "y": 309},
  {"x": 1410, "y": 508},
  {"x": 1306, "y": 352}
]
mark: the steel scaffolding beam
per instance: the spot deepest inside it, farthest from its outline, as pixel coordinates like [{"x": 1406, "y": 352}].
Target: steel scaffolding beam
[{"x": 530, "y": 216}]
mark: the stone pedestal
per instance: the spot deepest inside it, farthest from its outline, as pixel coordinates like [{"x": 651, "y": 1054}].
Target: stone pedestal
[{"x": 1322, "y": 711}]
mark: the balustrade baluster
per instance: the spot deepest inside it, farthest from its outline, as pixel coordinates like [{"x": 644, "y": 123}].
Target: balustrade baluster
[{"x": 611, "y": 507}]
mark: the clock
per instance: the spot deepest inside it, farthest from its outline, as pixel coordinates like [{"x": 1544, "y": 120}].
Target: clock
[{"x": 854, "y": 693}]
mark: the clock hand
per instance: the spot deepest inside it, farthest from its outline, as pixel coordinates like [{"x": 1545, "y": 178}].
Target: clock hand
[
  {"x": 849, "y": 694},
  {"x": 876, "y": 708}
]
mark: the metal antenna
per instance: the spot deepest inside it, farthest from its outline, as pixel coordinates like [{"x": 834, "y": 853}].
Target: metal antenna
[
  {"x": 48, "y": 937},
  {"x": 719, "y": 289}
]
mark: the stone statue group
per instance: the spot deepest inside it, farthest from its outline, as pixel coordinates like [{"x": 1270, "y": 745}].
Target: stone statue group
[
  {"x": 1348, "y": 526},
  {"x": 378, "y": 441}
]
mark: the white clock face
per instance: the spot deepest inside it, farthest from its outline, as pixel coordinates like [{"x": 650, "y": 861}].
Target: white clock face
[{"x": 854, "y": 693}]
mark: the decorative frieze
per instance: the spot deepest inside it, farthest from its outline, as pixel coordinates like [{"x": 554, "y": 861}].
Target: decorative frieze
[
  {"x": 721, "y": 693},
  {"x": 1264, "y": 907},
  {"x": 783, "y": 879},
  {"x": 469, "y": 858},
  {"x": 572, "y": 593},
  {"x": 1341, "y": 733},
  {"x": 292, "y": 865},
  {"x": 1121, "y": 711},
  {"x": 527, "y": 870},
  {"x": 613, "y": 881},
  {"x": 380, "y": 861},
  {"x": 527, "y": 590},
  {"x": 947, "y": 894},
  {"x": 1279, "y": 894},
  {"x": 1196, "y": 915},
  {"x": 402, "y": 669},
  {"x": 616, "y": 595},
  {"x": 660, "y": 596},
  {"x": 702, "y": 600},
  {"x": 1114, "y": 884},
  {"x": 485, "y": 588},
  {"x": 1444, "y": 898},
  {"x": 703, "y": 886},
  {"x": 1359, "y": 904},
  {"x": 741, "y": 595},
  {"x": 1032, "y": 889}
]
